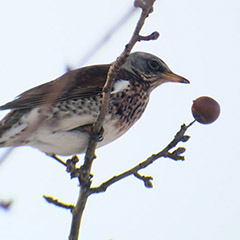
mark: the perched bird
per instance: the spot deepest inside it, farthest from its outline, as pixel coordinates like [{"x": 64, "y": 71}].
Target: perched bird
[{"x": 57, "y": 117}]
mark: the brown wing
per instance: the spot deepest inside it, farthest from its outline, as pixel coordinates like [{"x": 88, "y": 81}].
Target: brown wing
[{"x": 83, "y": 82}]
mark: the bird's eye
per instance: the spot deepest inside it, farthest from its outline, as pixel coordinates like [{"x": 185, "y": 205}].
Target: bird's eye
[{"x": 154, "y": 64}]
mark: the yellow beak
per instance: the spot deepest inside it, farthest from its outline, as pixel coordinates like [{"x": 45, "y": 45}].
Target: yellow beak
[{"x": 172, "y": 77}]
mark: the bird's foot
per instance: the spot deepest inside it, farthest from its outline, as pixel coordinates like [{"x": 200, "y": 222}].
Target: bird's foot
[{"x": 99, "y": 136}]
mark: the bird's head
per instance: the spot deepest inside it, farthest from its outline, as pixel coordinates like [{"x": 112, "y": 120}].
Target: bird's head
[{"x": 151, "y": 69}]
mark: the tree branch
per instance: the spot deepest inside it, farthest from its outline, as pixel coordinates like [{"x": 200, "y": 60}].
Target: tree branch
[
  {"x": 56, "y": 202},
  {"x": 85, "y": 176},
  {"x": 175, "y": 155}
]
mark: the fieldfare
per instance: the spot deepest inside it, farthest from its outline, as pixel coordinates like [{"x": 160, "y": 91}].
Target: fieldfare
[{"x": 56, "y": 117}]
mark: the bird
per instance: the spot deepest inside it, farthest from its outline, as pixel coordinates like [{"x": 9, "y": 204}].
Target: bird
[{"x": 57, "y": 117}]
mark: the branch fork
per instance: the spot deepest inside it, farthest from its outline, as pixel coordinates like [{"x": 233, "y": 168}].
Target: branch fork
[
  {"x": 146, "y": 179},
  {"x": 85, "y": 179}
]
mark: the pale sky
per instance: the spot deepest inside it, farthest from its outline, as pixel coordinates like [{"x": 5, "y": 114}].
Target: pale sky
[{"x": 196, "y": 199}]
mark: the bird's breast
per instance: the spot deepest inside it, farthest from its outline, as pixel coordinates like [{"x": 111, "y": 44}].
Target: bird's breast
[{"x": 127, "y": 107}]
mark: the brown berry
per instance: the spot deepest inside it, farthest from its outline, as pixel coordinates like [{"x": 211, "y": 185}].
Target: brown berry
[{"x": 205, "y": 110}]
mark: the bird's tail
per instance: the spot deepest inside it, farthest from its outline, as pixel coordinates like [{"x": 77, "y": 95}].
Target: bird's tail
[{"x": 10, "y": 128}]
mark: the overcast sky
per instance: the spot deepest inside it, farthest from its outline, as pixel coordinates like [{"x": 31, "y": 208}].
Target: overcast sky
[{"x": 196, "y": 199}]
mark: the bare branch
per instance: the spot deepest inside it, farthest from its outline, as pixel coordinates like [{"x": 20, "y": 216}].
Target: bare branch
[
  {"x": 146, "y": 179},
  {"x": 112, "y": 74},
  {"x": 56, "y": 202},
  {"x": 58, "y": 159},
  {"x": 153, "y": 36},
  {"x": 6, "y": 154},
  {"x": 84, "y": 177},
  {"x": 175, "y": 155},
  {"x": 102, "y": 41},
  {"x": 144, "y": 4}
]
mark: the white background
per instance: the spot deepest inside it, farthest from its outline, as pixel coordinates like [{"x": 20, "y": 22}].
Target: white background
[{"x": 196, "y": 199}]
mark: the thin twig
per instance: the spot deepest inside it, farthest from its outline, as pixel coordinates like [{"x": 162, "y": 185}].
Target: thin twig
[
  {"x": 58, "y": 159},
  {"x": 179, "y": 137},
  {"x": 6, "y": 154},
  {"x": 146, "y": 179},
  {"x": 103, "y": 40},
  {"x": 112, "y": 74},
  {"x": 56, "y": 202},
  {"x": 153, "y": 36},
  {"x": 90, "y": 153}
]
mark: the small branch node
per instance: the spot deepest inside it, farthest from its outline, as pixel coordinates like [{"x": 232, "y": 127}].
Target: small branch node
[
  {"x": 146, "y": 179},
  {"x": 185, "y": 138},
  {"x": 144, "y": 5},
  {"x": 179, "y": 151},
  {"x": 71, "y": 166},
  {"x": 84, "y": 177},
  {"x": 153, "y": 36},
  {"x": 175, "y": 155}
]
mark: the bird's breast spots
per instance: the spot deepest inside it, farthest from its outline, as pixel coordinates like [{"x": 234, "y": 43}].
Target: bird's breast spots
[
  {"x": 119, "y": 111},
  {"x": 133, "y": 114}
]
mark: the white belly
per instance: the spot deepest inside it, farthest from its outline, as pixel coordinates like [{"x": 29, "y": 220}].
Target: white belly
[{"x": 69, "y": 143}]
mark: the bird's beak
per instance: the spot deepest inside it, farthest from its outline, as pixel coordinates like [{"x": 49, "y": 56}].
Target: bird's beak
[{"x": 172, "y": 77}]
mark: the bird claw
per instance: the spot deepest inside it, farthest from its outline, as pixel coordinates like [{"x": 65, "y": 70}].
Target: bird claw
[{"x": 99, "y": 136}]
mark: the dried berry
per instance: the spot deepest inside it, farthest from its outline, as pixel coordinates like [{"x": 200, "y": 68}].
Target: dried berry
[{"x": 205, "y": 110}]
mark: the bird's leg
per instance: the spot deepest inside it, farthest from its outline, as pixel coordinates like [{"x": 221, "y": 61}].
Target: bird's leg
[{"x": 99, "y": 137}]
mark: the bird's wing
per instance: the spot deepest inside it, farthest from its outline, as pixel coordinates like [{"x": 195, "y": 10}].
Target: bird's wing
[{"x": 83, "y": 82}]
